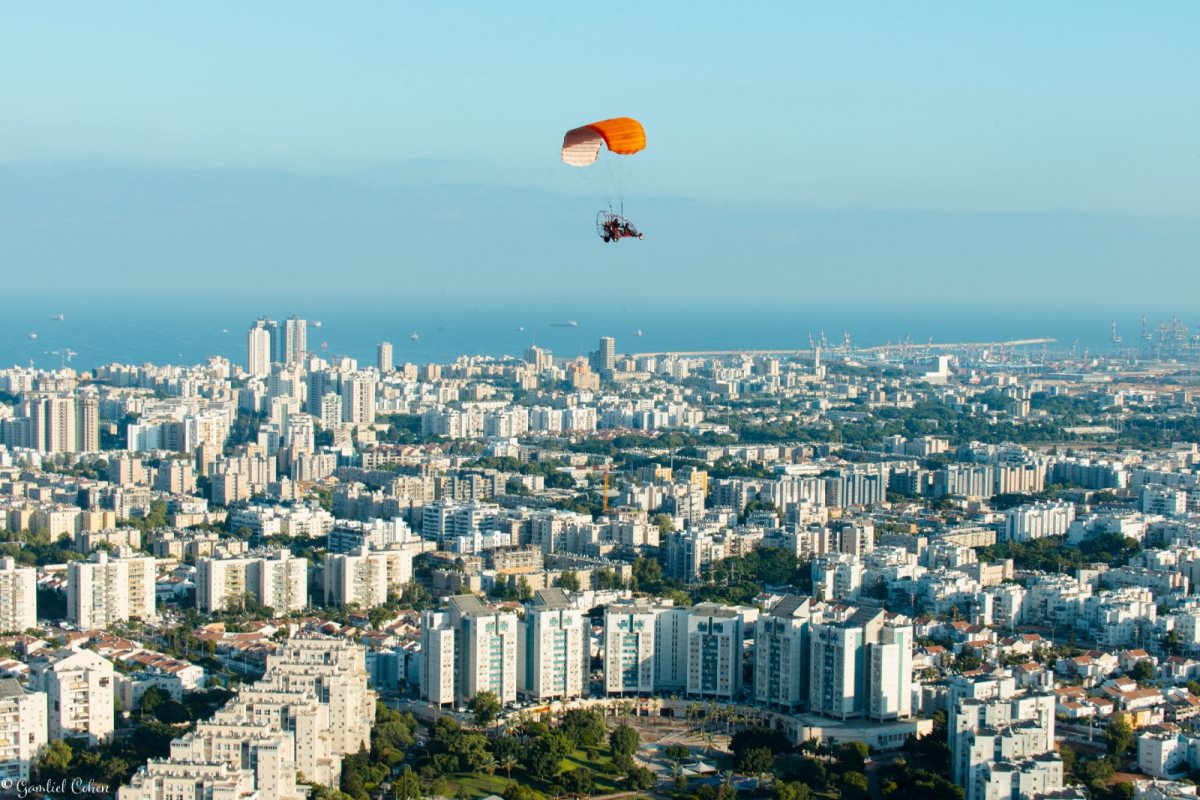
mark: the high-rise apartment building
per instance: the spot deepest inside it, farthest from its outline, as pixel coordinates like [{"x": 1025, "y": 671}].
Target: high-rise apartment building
[
  {"x": 277, "y": 580},
  {"x": 358, "y": 399},
  {"x": 105, "y": 589},
  {"x": 259, "y": 353},
  {"x": 714, "y": 652},
  {"x": 23, "y": 730},
  {"x": 1001, "y": 740},
  {"x": 861, "y": 665},
  {"x": 629, "y": 663},
  {"x": 484, "y": 647},
  {"x": 311, "y": 707},
  {"x": 365, "y": 576},
  {"x": 781, "y": 652},
  {"x": 18, "y": 597},
  {"x": 384, "y": 358},
  {"x": 295, "y": 341},
  {"x": 79, "y": 694},
  {"x": 552, "y": 648}
]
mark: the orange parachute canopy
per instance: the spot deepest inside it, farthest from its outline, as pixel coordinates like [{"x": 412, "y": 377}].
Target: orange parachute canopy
[{"x": 623, "y": 136}]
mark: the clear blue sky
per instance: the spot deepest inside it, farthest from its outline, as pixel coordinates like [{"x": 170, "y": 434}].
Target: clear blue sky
[{"x": 885, "y": 138}]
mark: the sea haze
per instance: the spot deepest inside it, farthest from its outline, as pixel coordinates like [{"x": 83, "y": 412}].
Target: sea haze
[{"x": 165, "y": 329}]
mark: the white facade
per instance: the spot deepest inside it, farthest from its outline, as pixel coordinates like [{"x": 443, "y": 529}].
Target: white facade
[
  {"x": 714, "y": 652},
  {"x": 105, "y": 590},
  {"x": 475, "y": 645},
  {"x": 79, "y": 691},
  {"x": 18, "y": 597},
  {"x": 23, "y": 729},
  {"x": 781, "y": 669},
  {"x": 275, "y": 580},
  {"x": 629, "y": 649},
  {"x": 552, "y": 648}
]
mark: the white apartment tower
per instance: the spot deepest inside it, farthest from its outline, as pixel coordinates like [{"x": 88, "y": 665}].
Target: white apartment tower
[
  {"x": 18, "y": 597},
  {"x": 295, "y": 343},
  {"x": 1001, "y": 741},
  {"x": 629, "y": 648},
  {"x": 484, "y": 651},
  {"x": 861, "y": 665},
  {"x": 781, "y": 651},
  {"x": 79, "y": 694},
  {"x": 384, "y": 358},
  {"x": 552, "y": 648},
  {"x": 714, "y": 652},
  {"x": 366, "y": 576},
  {"x": 22, "y": 730},
  {"x": 258, "y": 350},
  {"x": 277, "y": 580},
  {"x": 358, "y": 399},
  {"x": 105, "y": 590}
]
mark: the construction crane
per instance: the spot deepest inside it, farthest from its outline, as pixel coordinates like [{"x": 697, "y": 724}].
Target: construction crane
[{"x": 64, "y": 356}]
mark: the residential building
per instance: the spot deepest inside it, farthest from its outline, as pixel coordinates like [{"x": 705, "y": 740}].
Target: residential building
[
  {"x": 105, "y": 589},
  {"x": 781, "y": 653},
  {"x": 79, "y": 690},
  {"x": 552, "y": 648},
  {"x": 18, "y": 597},
  {"x": 484, "y": 659},
  {"x": 23, "y": 730}
]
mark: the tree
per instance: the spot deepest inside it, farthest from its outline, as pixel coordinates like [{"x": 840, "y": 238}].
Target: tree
[
  {"x": 584, "y": 728},
  {"x": 641, "y": 779},
  {"x": 1142, "y": 671},
  {"x": 1118, "y": 735},
  {"x": 792, "y": 791},
  {"x": 55, "y": 761},
  {"x": 854, "y": 786},
  {"x": 755, "y": 761},
  {"x": 624, "y": 740},
  {"x": 568, "y": 581},
  {"x": 580, "y": 780},
  {"x": 852, "y": 756},
  {"x": 408, "y": 786},
  {"x": 519, "y": 791},
  {"x": 485, "y": 707}
]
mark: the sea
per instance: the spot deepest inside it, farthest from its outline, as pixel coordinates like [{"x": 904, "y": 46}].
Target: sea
[{"x": 171, "y": 330}]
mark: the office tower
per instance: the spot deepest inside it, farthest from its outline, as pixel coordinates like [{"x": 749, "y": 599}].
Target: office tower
[
  {"x": 23, "y": 730},
  {"x": 79, "y": 694},
  {"x": 477, "y": 645},
  {"x": 714, "y": 652},
  {"x": 358, "y": 399},
  {"x": 384, "y": 358},
  {"x": 18, "y": 597},
  {"x": 105, "y": 589},
  {"x": 861, "y": 665},
  {"x": 258, "y": 350},
  {"x": 781, "y": 669},
  {"x": 295, "y": 341},
  {"x": 552, "y": 648}
]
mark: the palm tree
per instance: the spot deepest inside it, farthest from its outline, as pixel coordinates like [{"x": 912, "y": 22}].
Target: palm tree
[
  {"x": 489, "y": 766},
  {"x": 709, "y": 741},
  {"x": 507, "y": 763}
]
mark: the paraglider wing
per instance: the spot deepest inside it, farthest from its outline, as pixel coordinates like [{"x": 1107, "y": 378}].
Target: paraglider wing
[{"x": 623, "y": 136}]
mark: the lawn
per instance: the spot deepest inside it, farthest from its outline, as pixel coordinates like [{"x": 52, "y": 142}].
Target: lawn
[{"x": 471, "y": 784}]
